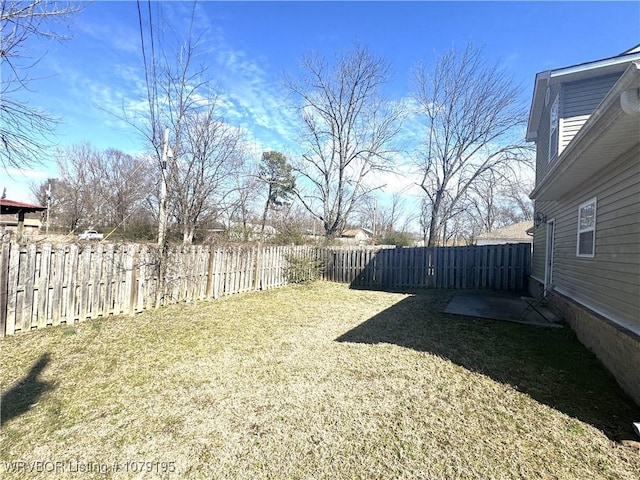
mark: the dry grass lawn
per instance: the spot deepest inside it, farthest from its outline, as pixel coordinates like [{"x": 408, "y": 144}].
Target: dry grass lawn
[{"x": 315, "y": 381}]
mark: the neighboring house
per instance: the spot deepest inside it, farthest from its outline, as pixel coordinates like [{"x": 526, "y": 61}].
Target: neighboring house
[
  {"x": 250, "y": 232},
  {"x": 357, "y": 236},
  {"x": 516, "y": 233},
  {"x": 585, "y": 120}
]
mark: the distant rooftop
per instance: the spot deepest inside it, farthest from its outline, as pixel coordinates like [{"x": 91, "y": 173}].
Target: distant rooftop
[{"x": 516, "y": 231}]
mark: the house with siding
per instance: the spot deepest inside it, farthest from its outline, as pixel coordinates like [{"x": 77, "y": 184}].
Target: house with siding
[
  {"x": 585, "y": 121},
  {"x": 357, "y": 236}
]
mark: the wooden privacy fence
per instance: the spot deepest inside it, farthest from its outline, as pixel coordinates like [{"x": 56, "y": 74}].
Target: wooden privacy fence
[
  {"x": 499, "y": 267},
  {"x": 42, "y": 284}
]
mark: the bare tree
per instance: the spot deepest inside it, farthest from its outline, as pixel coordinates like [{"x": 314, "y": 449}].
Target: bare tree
[
  {"x": 98, "y": 188},
  {"x": 472, "y": 113},
  {"x": 347, "y": 128},
  {"x": 294, "y": 225},
  {"x": 122, "y": 183},
  {"x": 383, "y": 217},
  {"x": 172, "y": 87},
  {"x": 76, "y": 192},
  {"x": 484, "y": 202},
  {"x": 240, "y": 205},
  {"x": 497, "y": 200},
  {"x": 516, "y": 194},
  {"x": 26, "y": 130},
  {"x": 206, "y": 152},
  {"x": 209, "y": 159}
]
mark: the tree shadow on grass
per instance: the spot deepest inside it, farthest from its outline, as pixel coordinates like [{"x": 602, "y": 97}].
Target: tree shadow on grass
[
  {"x": 550, "y": 365},
  {"x": 25, "y": 392}
]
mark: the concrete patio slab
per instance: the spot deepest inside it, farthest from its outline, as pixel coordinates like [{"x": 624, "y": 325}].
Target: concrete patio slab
[{"x": 500, "y": 306}]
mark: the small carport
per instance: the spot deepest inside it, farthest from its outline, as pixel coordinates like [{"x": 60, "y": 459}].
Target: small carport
[{"x": 12, "y": 207}]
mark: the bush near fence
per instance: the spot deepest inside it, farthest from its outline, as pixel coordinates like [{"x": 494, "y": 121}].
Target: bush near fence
[{"x": 43, "y": 284}]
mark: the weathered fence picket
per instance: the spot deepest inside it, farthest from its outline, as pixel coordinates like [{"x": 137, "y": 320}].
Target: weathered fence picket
[{"x": 500, "y": 267}]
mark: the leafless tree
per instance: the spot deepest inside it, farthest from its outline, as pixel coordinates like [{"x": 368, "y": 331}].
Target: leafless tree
[
  {"x": 240, "y": 205},
  {"x": 26, "y": 131},
  {"x": 484, "y": 202},
  {"x": 383, "y": 217},
  {"x": 472, "y": 113},
  {"x": 76, "y": 191},
  {"x": 206, "y": 151},
  {"x": 122, "y": 185},
  {"x": 347, "y": 132},
  {"x": 98, "y": 188},
  {"x": 494, "y": 201},
  {"x": 497, "y": 200},
  {"x": 208, "y": 161},
  {"x": 516, "y": 193}
]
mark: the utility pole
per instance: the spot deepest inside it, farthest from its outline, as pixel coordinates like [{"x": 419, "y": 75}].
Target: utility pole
[
  {"x": 162, "y": 213},
  {"x": 46, "y": 224},
  {"x": 375, "y": 215}
]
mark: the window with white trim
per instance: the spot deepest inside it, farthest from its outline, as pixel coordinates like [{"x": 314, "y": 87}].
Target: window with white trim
[
  {"x": 587, "y": 229},
  {"x": 553, "y": 128}
]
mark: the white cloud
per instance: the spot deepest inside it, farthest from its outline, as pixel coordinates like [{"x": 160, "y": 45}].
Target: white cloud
[
  {"x": 18, "y": 181},
  {"x": 256, "y": 102},
  {"x": 25, "y": 172},
  {"x": 121, "y": 36}
]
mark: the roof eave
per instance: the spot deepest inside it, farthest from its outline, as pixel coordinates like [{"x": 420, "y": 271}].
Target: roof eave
[
  {"x": 568, "y": 74},
  {"x": 537, "y": 104},
  {"x": 565, "y": 175}
]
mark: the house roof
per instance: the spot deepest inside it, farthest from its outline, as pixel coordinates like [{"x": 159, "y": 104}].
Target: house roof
[
  {"x": 580, "y": 71},
  {"x": 517, "y": 231},
  {"x": 611, "y": 130},
  {"x": 11, "y": 207}
]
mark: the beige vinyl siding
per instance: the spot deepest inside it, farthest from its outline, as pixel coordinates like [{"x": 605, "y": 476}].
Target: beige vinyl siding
[
  {"x": 579, "y": 100},
  {"x": 609, "y": 282}
]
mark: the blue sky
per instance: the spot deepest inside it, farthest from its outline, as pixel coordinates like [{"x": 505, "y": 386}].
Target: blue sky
[{"x": 88, "y": 80}]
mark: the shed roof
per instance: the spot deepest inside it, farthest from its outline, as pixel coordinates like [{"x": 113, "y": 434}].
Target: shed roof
[{"x": 11, "y": 207}]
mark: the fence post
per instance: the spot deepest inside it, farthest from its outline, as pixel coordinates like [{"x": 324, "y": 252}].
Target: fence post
[
  {"x": 209, "y": 288},
  {"x": 133, "y": 285},
  {"x": 4, "y": 285},
  {"x": 28, "y": 285}
]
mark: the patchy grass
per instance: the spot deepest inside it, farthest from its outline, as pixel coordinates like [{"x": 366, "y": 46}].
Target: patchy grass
[{"x": 315, "y": 381}]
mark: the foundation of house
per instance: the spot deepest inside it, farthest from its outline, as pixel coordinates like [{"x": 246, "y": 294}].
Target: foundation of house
[{"x": 615, "y": 346}]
